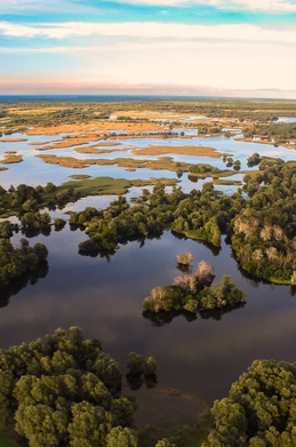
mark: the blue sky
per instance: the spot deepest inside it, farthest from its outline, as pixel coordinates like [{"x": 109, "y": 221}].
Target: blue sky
[{"x": 218, "y": 47}]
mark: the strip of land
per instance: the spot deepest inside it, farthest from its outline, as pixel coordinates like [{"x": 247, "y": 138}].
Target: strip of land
[
  {"x": 201, "y": 151},
  {"x": 162, "y": 163},
  {"x": 10, "y": 158}
]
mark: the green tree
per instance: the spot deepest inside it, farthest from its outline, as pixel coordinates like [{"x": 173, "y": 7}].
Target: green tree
[
  {"x": 150, "y": 366},
  {"x": 135, "y": 363},
  {"x": 122, "y": 437},
  {"x": 90, "y": 425}
]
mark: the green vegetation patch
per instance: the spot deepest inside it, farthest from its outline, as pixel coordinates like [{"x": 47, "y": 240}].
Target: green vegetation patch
[
  {"x": 195, "y": 292},
  {"x": 153, "y": 181},
  {"x": 227, "y": 182},
  {"x": 64, "y": 389},
  {"x": 260, "y": 410},
  {"x": 80, "y": 176},
  {"x": 108, "y": 185},
  {"x": 14, "y": 262},
  {"x": 97, "y": 186},
  {"x": 5, "y": 443}
]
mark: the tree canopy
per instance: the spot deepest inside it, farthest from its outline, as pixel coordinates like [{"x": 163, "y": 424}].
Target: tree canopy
[
  {"x": 260, "y": 410},
  {"x": 63, "y": 391}
]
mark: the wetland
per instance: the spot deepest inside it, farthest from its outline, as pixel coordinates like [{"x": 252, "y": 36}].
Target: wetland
[{"x": 102, "y": 263}]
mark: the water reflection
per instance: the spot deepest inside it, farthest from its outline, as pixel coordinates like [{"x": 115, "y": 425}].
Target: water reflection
[
  {"x": 105, "y": 299},
  {"x": 136, "y": 381},
  {"x": 30, "y": 277},
  {"x": 215, "y": 250},
  {"x": 93, "y": 250},
  {"x": 30, "y": 232},
  {"x": 161, "y": 318}
]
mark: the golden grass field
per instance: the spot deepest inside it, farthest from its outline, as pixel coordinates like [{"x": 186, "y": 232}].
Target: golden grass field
[
  {"x": 13, "y": 140},
  {"x": 98, "y": 125},
  {"x": 11, "y": 157},
  {"x": 186, "y": 150}
]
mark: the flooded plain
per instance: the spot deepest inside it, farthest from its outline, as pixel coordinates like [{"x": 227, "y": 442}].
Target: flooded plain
[{"x": 104, "y": 296}]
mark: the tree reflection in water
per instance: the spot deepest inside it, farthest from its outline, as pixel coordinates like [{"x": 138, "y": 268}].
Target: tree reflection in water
[
  {"x": 161, "y": 318},
  {"x": 30, "y": 277}
]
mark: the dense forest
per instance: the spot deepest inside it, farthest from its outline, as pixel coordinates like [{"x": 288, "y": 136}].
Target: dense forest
[
  {"x": 65, "y": 391},
  {"x": 260, "y": 410}
]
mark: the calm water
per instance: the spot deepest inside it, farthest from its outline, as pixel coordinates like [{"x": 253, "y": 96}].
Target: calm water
[
  {"x": 203, "y": 356},
  {"x": 105, "y": 298},
  {"x": 33, "y": 171}
]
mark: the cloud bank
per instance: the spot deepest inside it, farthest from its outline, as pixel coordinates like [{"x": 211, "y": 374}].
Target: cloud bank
[
  {"x": 153, "y": 30},
  {"x": 269, "y": 6}
]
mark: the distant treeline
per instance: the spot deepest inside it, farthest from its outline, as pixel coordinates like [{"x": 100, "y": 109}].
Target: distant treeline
[
  {"x": 46, "y": 114},
  {"x": 278, "y": 133}
]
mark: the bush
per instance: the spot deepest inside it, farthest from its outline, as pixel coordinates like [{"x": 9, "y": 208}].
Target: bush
[{"x": 184, "y": 258}]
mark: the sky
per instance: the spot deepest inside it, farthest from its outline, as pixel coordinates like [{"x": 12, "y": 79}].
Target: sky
[{"x": 235, "y": 48}]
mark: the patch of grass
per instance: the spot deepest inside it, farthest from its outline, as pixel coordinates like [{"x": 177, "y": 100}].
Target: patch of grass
[
  {"x": 199, "y": 440},
  {"x": 215, "y": 176},
  {"x": 291, "y": 163},
  {"x": 67, "y": 162},
  {"x": 227, "y": 182},
  {"x": 108, "y": 185},
  {"x": 280, "y": 281},
  {"x": 5, "y": 443},
  {"x": 253, "y": 173},
  {"x": 186, "y": 150},
  {"x": 174, "y": 392},
  {"x": 154, "y": 180},
  {"x": 80, "y": 176},
  {"x": 10, "y": 158},
  {"x": 13, "y": 140},
  {"x": 94, "y": 150},
  {"x": 97, "y": 186}
]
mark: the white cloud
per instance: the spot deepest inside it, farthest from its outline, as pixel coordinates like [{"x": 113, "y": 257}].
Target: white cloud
[
  {"x": 26, "y": 7},
  {"x": 224, "y": 56},
  {"x": 271, "y": 6},
  {"x": 153, "y": 30},
  {"x": 75, "y": 6}
]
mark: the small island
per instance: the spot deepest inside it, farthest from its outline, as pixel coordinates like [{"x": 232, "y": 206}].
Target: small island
[{"x": 195, "y": 292}]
